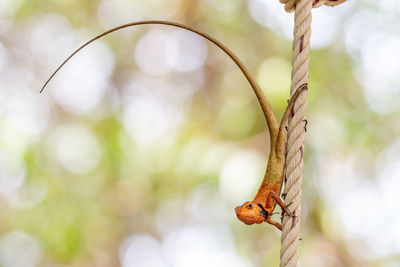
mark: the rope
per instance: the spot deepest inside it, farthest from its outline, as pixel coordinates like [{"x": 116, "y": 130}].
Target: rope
[
  {"x": 291, "y": 4},
  {"x": 296, "y": 127}
]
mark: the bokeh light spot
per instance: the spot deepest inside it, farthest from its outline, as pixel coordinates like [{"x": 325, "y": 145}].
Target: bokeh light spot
[
  {"x": 274, "y": 76},
  {"x": 75, "y": 147},
  {"x": 201, "y": 245},
  {"x": 12, "y": 173},
  {"x": 240, "y": 175},
  {"x": 18, "y": 249},
  {"x": 142, "y": 251},
  {"x": 150, "y": 53},
  {"x": 85, "y": 80},
  {"x": 185, "y": 51}
]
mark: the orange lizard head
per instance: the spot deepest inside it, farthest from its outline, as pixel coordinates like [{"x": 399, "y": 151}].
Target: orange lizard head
[{"x": 251, "y": 212}]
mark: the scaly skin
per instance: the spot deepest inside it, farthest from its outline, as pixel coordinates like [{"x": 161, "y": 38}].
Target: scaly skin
[
  {"x": 260, "y": 209},
  {"x": 267, "y": 197}
]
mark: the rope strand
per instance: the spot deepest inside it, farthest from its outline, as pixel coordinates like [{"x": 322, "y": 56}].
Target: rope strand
[
  {"x": 296, "y": 127},
  {"x": 291, "y": 4},
  {"x": 296, "y": 135}
]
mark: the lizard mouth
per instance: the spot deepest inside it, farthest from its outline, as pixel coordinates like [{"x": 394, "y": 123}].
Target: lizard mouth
[{"x": 263, "y": 212}]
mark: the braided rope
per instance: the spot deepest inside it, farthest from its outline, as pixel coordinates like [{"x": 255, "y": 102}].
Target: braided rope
[
  {"x": 296, "y": 134},
  {"x": 296, "y": 127},
  {"x": 291, "y": 4}
]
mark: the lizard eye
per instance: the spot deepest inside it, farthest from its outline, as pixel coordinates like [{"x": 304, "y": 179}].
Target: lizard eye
[{"x": 250, "y": 206}]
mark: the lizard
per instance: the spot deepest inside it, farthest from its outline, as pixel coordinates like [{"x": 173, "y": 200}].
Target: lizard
[
  {"x": 261, "y": 208},
  {"x": 268, "y": 195}
]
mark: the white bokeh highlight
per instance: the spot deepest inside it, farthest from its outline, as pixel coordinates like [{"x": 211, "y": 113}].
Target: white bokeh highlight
[
  {"x": 241, "y": 174},
  {"x": 154, "y": 108},
  {"x": 84, "y": 81},
  {"x": 56, "y": 33},
  {"x": 28, "y": 195},
  {"x": 185, "y": 51},
  {"x": 325, "y": 26},
  {"x": 75, "y": 147},
  {"x": 142, "y": 250},
  {"x": 12, "y": 173},
  {"x": 372, "y": 40},
  {"x": 381, "y": 68},
  {"x": 7, "y": 13},
  {"x": 199, "y": 245},
  {"x": 194, "y": 245},
  {"x": 19, "y": 249},
  {"x": 366, "y": 206},
  {"x": 26, "y": 112},
  {"x": 150, "y": 53},
  {"x": 148, "y": 119}
]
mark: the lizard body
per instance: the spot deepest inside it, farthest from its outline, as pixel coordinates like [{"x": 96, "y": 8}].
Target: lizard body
[
  {"x": 267, "y": 197},
  {"x": 261, "y": 208}
]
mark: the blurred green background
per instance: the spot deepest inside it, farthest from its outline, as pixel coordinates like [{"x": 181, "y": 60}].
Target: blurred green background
[{"x": 138, "y": 151}]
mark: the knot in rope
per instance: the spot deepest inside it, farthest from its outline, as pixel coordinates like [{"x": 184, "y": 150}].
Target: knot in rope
[{"x": 291, "y": 4}]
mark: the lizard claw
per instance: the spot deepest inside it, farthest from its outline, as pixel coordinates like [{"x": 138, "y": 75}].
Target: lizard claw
[
  {"x": 287, "y": 212},
  {"x": 305, "y": 125}
]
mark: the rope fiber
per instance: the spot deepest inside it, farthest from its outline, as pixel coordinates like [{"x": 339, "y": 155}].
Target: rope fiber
[
  {"x": 291, "y": 4},
  {"x": 296, "y": 126}
]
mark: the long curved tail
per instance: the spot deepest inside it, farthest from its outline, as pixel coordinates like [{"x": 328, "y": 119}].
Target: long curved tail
[{"x": 268, "y": 114}]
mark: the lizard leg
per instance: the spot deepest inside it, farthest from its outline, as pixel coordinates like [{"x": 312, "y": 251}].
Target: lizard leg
[
  {"x": 280, "y": 203},
  {"x": 274, "y": 223},
  {"x": 280, "y": 145}
]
